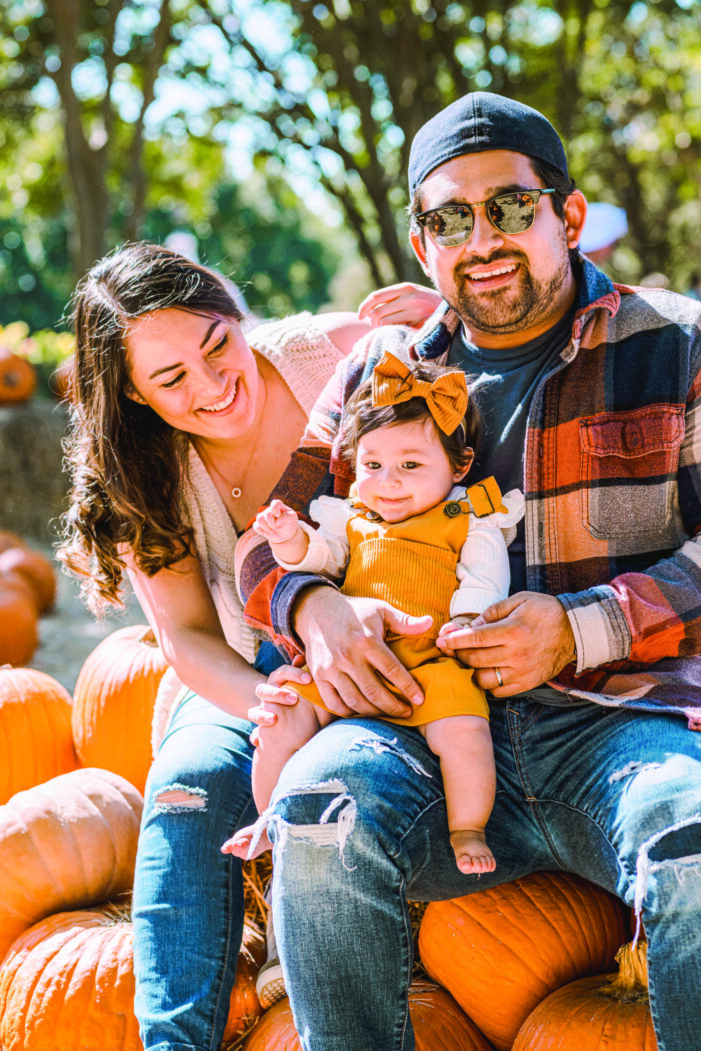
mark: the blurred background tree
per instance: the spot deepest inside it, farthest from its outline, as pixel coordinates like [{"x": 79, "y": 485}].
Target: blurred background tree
[
  {"x": 619, "y": 79},
  {"x": 278, "y": 133},
  {"x": 105, "y": 137}
]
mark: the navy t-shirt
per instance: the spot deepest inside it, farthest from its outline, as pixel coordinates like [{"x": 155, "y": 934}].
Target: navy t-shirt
[{"x": 504, "y": 382}]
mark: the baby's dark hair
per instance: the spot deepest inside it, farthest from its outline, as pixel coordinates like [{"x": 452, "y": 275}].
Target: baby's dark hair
[{"x": 360, "y": 417}]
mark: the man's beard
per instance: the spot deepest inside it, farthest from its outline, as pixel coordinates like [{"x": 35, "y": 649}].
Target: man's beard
[{"x": 506, "y": 310}]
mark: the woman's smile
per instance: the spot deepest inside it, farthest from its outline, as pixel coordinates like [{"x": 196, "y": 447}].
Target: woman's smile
[{"x": 224, "y": 403}]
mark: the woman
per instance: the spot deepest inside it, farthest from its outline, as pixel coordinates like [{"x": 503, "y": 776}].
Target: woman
[{"x": 181, "y": 425}]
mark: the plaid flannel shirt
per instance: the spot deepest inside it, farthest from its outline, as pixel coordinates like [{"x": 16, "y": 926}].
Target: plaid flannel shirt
[{"x": 612, "y": 479}]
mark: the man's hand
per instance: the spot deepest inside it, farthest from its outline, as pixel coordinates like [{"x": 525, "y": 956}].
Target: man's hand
[
  {"x": 347, "y": 656},
  {"x": 527, "y": 638}
]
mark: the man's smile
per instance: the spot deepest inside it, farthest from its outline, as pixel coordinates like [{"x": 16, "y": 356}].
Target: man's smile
[{"x": 496, "y": 271}]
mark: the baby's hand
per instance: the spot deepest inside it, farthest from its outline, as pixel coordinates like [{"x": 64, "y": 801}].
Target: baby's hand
[
  {"x": 277, "y": 523},
  {"x": 464, "y": 620}
]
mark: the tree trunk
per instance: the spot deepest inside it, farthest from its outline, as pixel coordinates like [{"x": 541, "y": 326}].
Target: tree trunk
[
  {"x": 86, "y": 162},
  {"x": 137, "y": 179}
]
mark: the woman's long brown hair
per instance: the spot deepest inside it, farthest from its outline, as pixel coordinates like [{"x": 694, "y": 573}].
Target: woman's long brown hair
[{"x": 125, "y": 462}]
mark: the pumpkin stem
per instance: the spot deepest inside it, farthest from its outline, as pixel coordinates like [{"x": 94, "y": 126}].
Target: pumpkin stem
[{"x": 630, "y": 984}]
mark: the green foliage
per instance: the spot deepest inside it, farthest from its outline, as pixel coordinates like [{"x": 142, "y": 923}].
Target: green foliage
[
  {"x": 636, "y": 140},
  {"x": 129, "y": 147},
  {"x": 128, "y": 118},
  {"x": 262, "y": 241},
  {"x": 29, "y": 253},
  {"x": 280, "y": 268},
  {"x": 42, "y": 347},
  {"x": 33, "y": 220},
  {"x": 620, "y": 79}
]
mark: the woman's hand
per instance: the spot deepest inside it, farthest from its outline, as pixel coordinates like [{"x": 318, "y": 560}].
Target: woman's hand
[
  {"x": 273, "y": 691},
  {"x": 277, "y": 523},
  {"x": 348, "y": 657},
  {"x": 402, "y": 304}
]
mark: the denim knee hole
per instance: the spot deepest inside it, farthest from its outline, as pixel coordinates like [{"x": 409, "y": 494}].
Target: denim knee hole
[
  {"x": 179, "y": 799},
  {"x": 683, "y": 865},
  {"x": 322, "y": 832}
]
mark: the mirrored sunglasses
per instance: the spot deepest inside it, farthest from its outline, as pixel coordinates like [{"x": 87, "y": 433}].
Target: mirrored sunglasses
[{"x": 510, "y": 213}]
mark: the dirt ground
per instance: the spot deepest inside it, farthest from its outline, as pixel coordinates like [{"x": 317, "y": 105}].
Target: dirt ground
[{"x": 70, "y": 632}]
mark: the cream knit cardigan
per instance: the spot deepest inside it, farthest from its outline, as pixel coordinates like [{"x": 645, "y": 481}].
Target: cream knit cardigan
[{"x": 305, "y": 358}]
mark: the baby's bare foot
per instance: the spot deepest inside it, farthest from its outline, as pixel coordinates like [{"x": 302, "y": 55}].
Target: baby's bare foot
[
  {"x": 471, "y": 851},
  {"x": 240, "y": 844}
]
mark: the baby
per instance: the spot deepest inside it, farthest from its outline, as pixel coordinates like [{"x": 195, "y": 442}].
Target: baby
[{"x": 411, "y": 536}]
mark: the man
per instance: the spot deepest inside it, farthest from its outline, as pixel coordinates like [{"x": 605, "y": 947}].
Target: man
[{"x": 590, "y": 396}]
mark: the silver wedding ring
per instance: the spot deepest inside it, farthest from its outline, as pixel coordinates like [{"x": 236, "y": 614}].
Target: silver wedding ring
[{"x": 498, "y": 675}]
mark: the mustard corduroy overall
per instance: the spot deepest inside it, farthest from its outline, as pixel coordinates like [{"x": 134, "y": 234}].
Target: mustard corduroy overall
[{"x": 412, "y": 565}]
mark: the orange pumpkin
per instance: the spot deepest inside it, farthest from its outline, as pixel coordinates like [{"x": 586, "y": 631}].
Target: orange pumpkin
[
  {"x": 8, "y": 539},
  {"x": 610, "y": 1011},
  {"x": 66, "y": 843},
  {"x": 18, "y": 378},
  {"x": 68, "y": 983},
  {"x": 19, "y": 624},
  {"x": 113, "y": 703},
  {"x": 439, "y": 1025},
  {"x": 36, "y": 569},
  {"x": 35, "y": 730},
  {"x": 501, "y": 951}
]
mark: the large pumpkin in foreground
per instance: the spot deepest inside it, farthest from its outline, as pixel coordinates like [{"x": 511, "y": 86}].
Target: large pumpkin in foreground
[
  {"x": 64, "y": 844},
  {"x": 113, "y": 703},
  {"x": 67, "y": 984},
  {"x": 439, "y": 1025},
  {"x": 35, "y": 730},
  {"x": 607, "y": 1011},
  {"x": 502, "y": 950}
]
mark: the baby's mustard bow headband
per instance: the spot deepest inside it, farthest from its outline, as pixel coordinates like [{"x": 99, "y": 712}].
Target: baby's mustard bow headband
[{"x": 446, "y": 397}]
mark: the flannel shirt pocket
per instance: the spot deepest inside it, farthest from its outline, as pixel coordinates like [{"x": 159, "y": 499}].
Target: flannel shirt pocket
[{"x": 629, "y": 474}]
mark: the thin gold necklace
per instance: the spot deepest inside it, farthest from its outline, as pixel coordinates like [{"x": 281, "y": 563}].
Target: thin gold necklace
[
  {"x": 211, "y": 468},
  {"x": 237, "y": 490}
]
